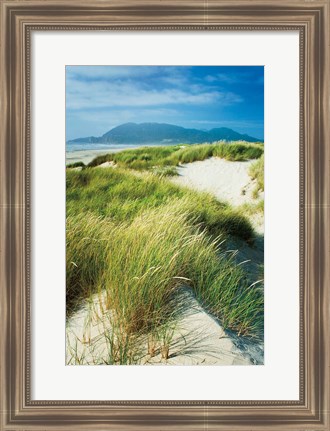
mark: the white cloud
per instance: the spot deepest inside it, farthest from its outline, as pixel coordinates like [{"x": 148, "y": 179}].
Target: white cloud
[
  {"x": 210, "y": 78},
  {"x": 223, "y": 123},
  {"x": 171, "y": 74},
  {"x": 96, "y": 73},
  {"x": 100, "y": 94},
  {"x": 233, "y": 78},
  {"x": 119, "y": 86}
]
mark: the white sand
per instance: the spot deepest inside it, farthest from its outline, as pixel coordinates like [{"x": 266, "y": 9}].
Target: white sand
[
  {"x": 226, "y": 180},
  {"x": 108, "y": 165},
  {"x": 197, "y": 339}
]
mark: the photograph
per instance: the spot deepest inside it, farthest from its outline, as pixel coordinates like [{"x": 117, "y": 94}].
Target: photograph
[{"x": 164, "y": 215}]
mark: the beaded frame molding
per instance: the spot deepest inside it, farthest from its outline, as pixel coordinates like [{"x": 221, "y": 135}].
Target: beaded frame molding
[{"x": 20, "y": 18}]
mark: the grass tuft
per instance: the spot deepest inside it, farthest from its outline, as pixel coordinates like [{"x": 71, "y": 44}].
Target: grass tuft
[
  {"x": 256, "y": 172},
  {"x": 76, "y": 165}
]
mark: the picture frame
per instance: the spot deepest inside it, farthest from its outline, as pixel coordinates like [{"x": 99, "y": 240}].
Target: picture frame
[{"x": 18, "y": 20}]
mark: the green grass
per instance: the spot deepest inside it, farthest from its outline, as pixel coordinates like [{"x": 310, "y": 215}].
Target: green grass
[
  {"x": 256, "y": 172},
  {"x": 249, "y": 209},
  {"x": 140, "y": 238},
  {"x": 137, "y": 158},
  {"x": 121, "y": 195},
  {"x": 76, "y": 165},
  {"x": 165, "y": 171},
  {"x": 149, "y": 158},
  {"x": 143, "y": 263}
]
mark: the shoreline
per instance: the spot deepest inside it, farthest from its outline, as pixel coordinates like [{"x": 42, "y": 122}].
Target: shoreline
[{"x": 86, "y": 156}]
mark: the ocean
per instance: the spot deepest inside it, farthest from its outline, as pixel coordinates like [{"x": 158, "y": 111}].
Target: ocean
[{"x": 82, "y": 146}]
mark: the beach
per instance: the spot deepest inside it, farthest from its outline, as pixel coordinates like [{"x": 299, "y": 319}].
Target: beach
[{"x": 84, "y": 156}]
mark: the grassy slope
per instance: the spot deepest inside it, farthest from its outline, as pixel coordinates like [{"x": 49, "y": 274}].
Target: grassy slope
[
  {"x": 149, "y": 158},
  {"x": 256, "y": 172},
  {"x": 121, "y": 195},
  {"x": 141, "y": 264},
  {"x": 139, "y": 237}
]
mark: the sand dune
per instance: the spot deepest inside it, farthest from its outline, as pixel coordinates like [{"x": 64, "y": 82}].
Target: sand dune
[{"x": 197, "y": 337}]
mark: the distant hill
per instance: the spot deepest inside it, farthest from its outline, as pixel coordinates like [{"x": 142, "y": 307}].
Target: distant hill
[{"x": 147, "y": 133}]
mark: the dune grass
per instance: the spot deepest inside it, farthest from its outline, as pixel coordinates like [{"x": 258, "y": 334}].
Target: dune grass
[
  {"x": 148, "y": 158},
  {"x": 140, "y": 238},
  {"x": 251, "y": 208},
  {"x": 165, "y": 171},
  {"x": 122, "y": 195},
  {"x": 76, "y": 165},
  {"x": 143, "y": 263},
  {"x": 256, "y": 172},
  {"x": 138, "y": 158}
]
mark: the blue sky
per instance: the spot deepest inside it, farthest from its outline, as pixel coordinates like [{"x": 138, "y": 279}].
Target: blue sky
[{"x": 99, "y": 98}]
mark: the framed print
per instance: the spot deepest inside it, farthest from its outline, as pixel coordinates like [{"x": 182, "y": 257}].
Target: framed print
[
  {"x": 168, "y": 327},
  {"x": 165, "y": 215}
]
